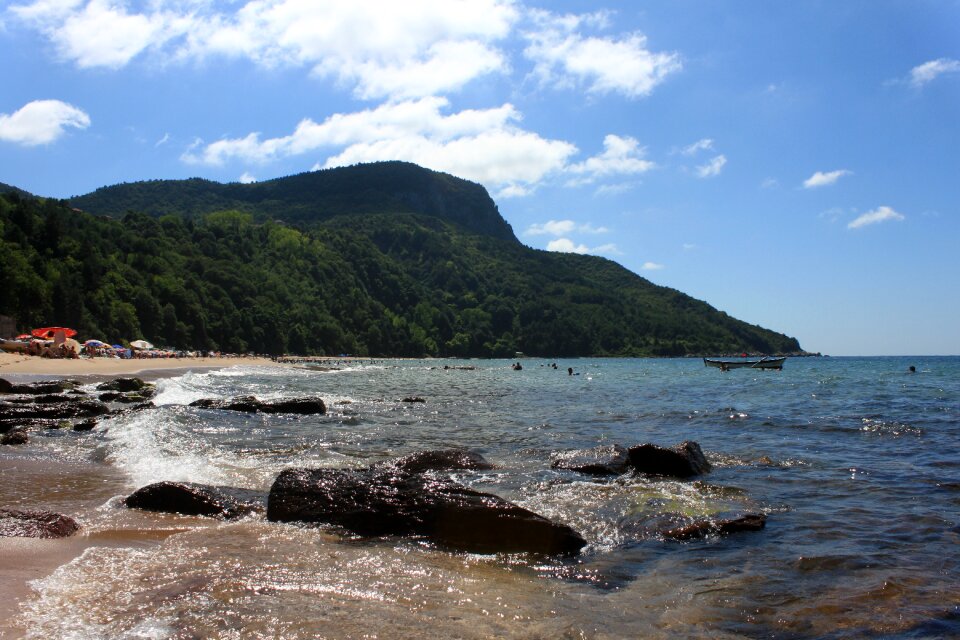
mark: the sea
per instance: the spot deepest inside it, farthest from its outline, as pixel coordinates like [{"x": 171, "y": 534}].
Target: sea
[{"x": 854, "y": 462}]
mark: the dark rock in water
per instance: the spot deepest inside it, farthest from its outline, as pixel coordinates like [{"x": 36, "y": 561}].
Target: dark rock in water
[
  {"x": 15, "y": 436},
  {"x": 86, "y": 425},
  {"x": 127, "y": 397},
  {"x": 380, "y": 502},
  {"x": 683, "y": 461},
  {"x": 703, "y": 528},
  {"x": 414, "y": 399},
  {"x": 37, "y": 388},
  {"x": 189, "y": 498},
  {"x": 9, "y": 424},
  {"x": 611, "y": 459},
  {"x": 122, "y": 384},
  {"x": 250, "y": 404},
  {"x": 45, "y": 398},
  {"x": 68, "y": 409},
  {"x": 36, "y": 524},
  {"x": 439, "y": 460}
]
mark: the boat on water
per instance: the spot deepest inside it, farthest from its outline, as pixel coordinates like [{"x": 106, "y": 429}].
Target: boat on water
[{"x": 763, "y": 363}]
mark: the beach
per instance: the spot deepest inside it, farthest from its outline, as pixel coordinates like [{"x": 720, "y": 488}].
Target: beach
[
  {"x": 850, "y": 460},
  {"x": 23, "y": 365}
]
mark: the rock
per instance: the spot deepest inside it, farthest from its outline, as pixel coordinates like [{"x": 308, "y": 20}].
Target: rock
[
  {"x": 86, "y": 425},
  {"x": 15, "y": 437},
  {"x": 68, "y": 409},
  {"x": 37, "y": 388},
  {"x": 439, "y": 460},
  {"x": 36, "y": 524},
  {"x": 46, "y": 398},
  {"x": 413, "y": 399},
  {"x": 381, "y": 502},
  {"x": 125, "y": 398},
  {"x": 611, "y": 459},
  {"x": 9, "y": 424},
  {"x": 189, "y": 498},
  {"x": 122, "y": 385},
  {"x": 703, "y": 528},
  {"x": 683, "y": 461},
  {"x": 250, "y": 404}
]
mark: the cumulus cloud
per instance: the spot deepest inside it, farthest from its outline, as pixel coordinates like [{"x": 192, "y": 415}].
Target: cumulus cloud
[
  {"x": 652, "y": 266},
  {"x": 565, "y": 58},
  {"x": 41, "y": 122},
  {"x": 620, "y": 156},
  {"x": 878, "y": 215},
  {"x": 562, "y": 228},
  {"x": 928, "y": 71},
  {"x": 379, "y": 47},
  {"x": 712, "y": 168},
  {"x": 246, "y": 178},
  {"x": 821, "y": 179}
]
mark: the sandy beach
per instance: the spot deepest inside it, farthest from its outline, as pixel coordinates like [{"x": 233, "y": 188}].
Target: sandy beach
[{"x": 16, "y": 364}]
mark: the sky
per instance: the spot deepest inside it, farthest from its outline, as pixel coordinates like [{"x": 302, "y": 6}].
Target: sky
[{"x": 794, "y": 164}]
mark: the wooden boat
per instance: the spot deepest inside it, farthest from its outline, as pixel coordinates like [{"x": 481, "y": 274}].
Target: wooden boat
[{"x": 763, "y": 363}]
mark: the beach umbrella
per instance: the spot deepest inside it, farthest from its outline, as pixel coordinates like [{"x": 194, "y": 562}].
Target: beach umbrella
[
  {"x": 24, "y": 336},
  {"x": 141, "y": 344},
  {"x": 95, "y": 343},
  {"x": 49, "y": 332},
  {"x": 72, "y": 344}
]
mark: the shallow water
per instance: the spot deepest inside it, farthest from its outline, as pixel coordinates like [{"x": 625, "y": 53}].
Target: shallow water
[{"x": 853, "y": 460}]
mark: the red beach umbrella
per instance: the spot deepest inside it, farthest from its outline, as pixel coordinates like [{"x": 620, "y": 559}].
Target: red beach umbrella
[
  {"x": 49, "y": 332},
  {"x": 24, "y": 336}
]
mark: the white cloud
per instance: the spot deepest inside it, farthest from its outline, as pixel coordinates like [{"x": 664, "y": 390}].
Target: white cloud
[
  {"x": 821, "y": 179},
  {"x": 652, "y": 266},
  {"x": 562, "y": 228},
  {"x": 706, "y": 144},
  {"x": 565, "y": 245},
  {"x": 614, "y": 189},
  {"x": 565, "y": 58},
  {"x": 620, "y": 156},
  {"x": 162, "y": 141},
  {"x": 769, "y": 183},
  {"x": 381, "y": 48},
  {"x": 246, "y": 178},
  {"x": 712, "y": 168},
  {"x": 878, "y": 215},
  {"x": 928, "y": 71},
  {"x": 41, "y": 122},
  {"x": 689, "y": 246}
]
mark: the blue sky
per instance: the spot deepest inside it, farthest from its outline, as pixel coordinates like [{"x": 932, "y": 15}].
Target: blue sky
[{"x": 795, "y": 164}]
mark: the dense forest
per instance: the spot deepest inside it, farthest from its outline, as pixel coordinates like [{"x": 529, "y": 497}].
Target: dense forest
[{"x": 389, "y": 265}]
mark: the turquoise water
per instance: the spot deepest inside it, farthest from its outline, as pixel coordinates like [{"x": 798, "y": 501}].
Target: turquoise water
[{"x": 853, "y": 460}]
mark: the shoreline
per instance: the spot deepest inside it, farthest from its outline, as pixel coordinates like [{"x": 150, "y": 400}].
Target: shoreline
[{"x": 25, "y": 559}]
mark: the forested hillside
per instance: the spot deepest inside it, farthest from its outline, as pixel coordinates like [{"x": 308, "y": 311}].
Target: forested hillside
[{"x": 425, "y": 280}]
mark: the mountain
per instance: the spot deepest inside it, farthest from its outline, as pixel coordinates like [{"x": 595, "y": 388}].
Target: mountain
[
  {"x": 386, "y": 259},
  {"x": 398, "y": 187}
]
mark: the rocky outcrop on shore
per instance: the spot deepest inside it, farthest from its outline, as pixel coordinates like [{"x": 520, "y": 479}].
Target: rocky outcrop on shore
[
  {"x": 682, "y": 461},
  {"x": 604, "y": 460},
  {"x": 437, "y": 460},
  {"x": 36, "y": 524},
  {"x": 382, "y": 502}
]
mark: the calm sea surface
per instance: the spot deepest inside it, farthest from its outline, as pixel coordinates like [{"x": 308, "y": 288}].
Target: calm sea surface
[{"x": 854, "y": 461}]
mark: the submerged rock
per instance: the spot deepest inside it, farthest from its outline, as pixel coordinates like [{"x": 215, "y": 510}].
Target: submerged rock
[
  {"x": 36, "y": 524},
  {"x": 250, "y": 404},
  {"x": 683, "y": 461},
  {"x": 438, "y": 460},
  {"x": 704, "y": 528},
  {"x": 15, "y": 436},
  {"x": 380, "y": 502},
  {"x": 611, "y": 459},
  {"x": 413, "y": 399},
  {"x": 189, "y": 498}
]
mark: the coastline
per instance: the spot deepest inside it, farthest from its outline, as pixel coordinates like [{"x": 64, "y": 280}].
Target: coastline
[
  {"x": 23, "y": 365},
  {"x": 90, "y": 484}
]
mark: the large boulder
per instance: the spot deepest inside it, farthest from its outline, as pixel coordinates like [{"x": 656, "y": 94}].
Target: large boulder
[
  {"x": 438, "y": 460},
  {"x": 250, "y": 404},
  {"x": 192, "y": 499},
  {"x": 683, "y": 461},
  {"x": 604, "y": 460},
  {"x": 36, "y": 524},
  {"x": 15, "y": 436},
  {"x": 381, "y": 502},
  {"x": 37, "y": 388}
]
